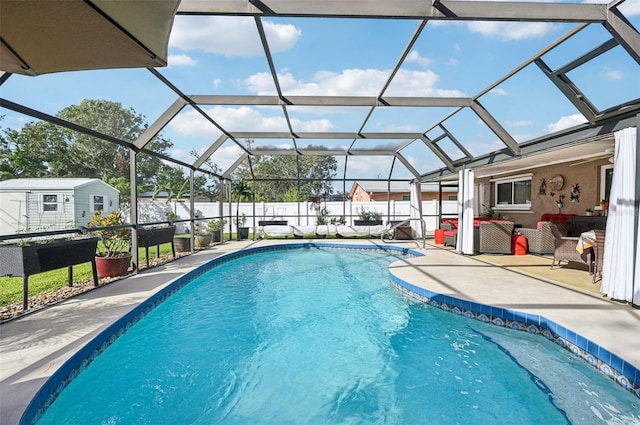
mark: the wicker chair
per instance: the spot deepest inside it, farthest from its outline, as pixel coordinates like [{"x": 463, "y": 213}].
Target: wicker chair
[
  {"x": 598, "y": 253},
  {"x": 495, "y": 237},
  {"x": 540, "y": 241},
  {"x": 450, "y": 234},
  {"x": 565, "y": 249}
]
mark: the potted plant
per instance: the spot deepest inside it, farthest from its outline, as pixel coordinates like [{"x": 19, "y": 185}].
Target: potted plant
[
  {"x": 216, "y": 226},
  {"x": 240, "y": 222},
  {"x": 368, "y": 218},
  {"x": 171, "y": 216},
  {"x": 488, "y": 212},
  {"x": 588, "y": 212},
  {"x": 182, "y": 242},
  {"x": 203, "y": 238},
  {"x": 113, "y": 254},
  {"x": 241, "y": 191}
]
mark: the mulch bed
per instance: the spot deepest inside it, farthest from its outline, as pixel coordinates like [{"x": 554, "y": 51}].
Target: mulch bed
[{"x": 47, "y": 299}]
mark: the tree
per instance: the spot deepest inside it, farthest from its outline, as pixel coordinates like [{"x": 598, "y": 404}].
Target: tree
[
  {"x": 32, "y": 152},
  {"x": 240, "y": 192},
  {"x": 44, "y": 149},
  {"x": 315, "y": 174},
  {"x": 206, "y": 184}
]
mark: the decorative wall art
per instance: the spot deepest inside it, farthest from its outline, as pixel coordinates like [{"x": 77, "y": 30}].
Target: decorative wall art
[
  {"x": 556, "y": 182},
  {"x": 575, "y": 193},
  {"x": 543, "y": 187}
]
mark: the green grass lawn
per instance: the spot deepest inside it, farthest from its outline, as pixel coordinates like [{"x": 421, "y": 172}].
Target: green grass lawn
[{"x": 11, "y": 287}]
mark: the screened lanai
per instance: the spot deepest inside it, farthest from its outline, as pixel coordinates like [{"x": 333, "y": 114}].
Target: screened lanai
[
  {"x": 410, "y": 91},
  {"x": 366, "y": 82}
]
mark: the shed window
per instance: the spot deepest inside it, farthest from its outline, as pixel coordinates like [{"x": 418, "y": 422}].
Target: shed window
[
  {"x": 97, "y": 202},
  {"x": 49, "y": 203}
]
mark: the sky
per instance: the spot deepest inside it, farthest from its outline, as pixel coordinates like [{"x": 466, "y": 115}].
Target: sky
[{"x": 223, "y": 55}]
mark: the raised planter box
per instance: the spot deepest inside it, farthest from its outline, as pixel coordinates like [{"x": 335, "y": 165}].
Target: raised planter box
[
  {"x": 26, "y": 260},
  {"x": 367, "y": 222},
  {"x": 156, "y": 236},
  {"x": 273, "y": 223}
]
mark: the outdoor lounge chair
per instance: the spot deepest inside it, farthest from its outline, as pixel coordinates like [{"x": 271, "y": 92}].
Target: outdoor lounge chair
[
  {"x": 566, "y": 249},
  {"x": 540, "y": 240},
  {"x": 274, "y": 231},
  {"x": 495, "y": 237}
]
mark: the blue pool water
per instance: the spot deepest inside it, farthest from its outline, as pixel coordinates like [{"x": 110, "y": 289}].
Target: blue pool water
[{"x": 320, "y": 336}]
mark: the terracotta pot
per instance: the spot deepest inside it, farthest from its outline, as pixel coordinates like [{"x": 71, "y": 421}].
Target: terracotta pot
[
  {"x": 182, "y": 244},
  {"x": 113, "y": 266}
]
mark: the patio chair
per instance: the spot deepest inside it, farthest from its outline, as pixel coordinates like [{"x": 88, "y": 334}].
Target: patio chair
[
  {"x": 598, "y": 253},
  {"x": 450, "y": 233},
  {"x": 565, "y": 249},
  {"x": 495, "y": 237},
  {"x": 540, "y": 240}
]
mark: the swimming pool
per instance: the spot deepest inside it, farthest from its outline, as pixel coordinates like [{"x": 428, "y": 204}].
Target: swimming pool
[{"x": 320, "y": 336}]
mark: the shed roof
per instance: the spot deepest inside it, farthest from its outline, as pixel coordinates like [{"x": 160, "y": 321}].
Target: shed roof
[{"x": 48, "y": 183}]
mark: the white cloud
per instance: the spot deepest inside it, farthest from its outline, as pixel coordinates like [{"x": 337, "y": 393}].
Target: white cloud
[
  {"x": 414, "y": 57},
  {"x": 192, "y": 124},
  {"x": 566, "y": 122},
  {"x": 179, "y": 154},
  {"x": 630, "y": 8},
  {"x": 353, "y": 82},
  {"x": 521, "y": 123},
  {"x": 181, "y": 60},
  {"x": 498, "y": 91},
  {"x": 512, "y": 30},
  {"x": 368, "y": 166},
  {"x": 614, "y": 75},
  {"x": 217, "y": 82},
  {"x": 230, "y": 36},
  {"x": 452, "y": 62}
]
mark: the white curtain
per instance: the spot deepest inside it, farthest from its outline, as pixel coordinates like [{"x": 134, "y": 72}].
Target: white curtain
[
  {"x": 466, "y": 192},
  {"x": 620, "y": 242},
  {"x": 415, "y": 208}
]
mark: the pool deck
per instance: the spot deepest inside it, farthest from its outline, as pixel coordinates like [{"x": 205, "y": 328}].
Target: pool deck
[{"x": 34, "y": 346}]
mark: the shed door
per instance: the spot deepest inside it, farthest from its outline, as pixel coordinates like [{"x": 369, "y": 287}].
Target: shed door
[{"x": 13, "y": 213}]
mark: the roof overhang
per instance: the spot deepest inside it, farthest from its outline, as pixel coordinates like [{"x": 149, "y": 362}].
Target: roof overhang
[{"x": 39, "y": 37}]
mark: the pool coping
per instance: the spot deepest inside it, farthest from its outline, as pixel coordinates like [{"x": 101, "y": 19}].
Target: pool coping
[{"x": 611, "y": 365}]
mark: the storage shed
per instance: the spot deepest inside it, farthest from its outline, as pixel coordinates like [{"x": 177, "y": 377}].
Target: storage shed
[{"x": 44, "y": 204}]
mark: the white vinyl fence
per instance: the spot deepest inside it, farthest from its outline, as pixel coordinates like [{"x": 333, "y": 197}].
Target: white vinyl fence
[{"x": 303, "y": 213}]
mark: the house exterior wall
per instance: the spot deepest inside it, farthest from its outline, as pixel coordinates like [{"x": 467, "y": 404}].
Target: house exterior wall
[
  {"x": 586, "y": 174},
  {"x": 360, "y": 195},
  {"x": 397, "y": 196}
]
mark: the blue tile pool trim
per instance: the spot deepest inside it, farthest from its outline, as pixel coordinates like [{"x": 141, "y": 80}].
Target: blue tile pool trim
[
  {"x": 616, "y": 368},
  {"x": 81, "y": 359}
]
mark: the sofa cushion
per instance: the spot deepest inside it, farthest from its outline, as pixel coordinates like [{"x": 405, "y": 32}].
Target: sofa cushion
[{"x": 556, "y": 217}]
